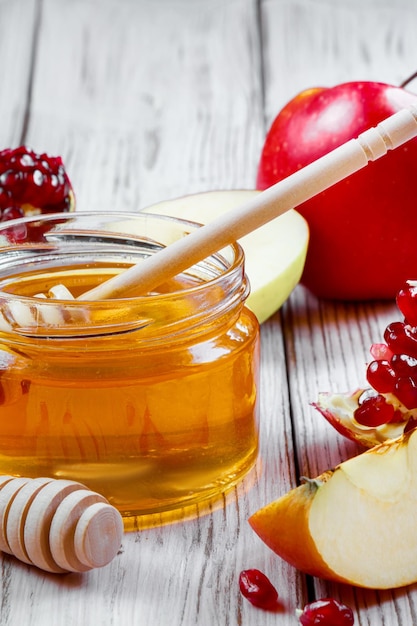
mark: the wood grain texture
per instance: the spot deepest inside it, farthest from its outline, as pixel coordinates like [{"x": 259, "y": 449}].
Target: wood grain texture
[
  {"x": 18, "y": 33},
  {"x": 147, "y": 100},
  {"x": 325, "y": 42}
]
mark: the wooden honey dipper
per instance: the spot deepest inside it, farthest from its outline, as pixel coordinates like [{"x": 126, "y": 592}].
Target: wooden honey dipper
[
  {"x": 290, "y": 192},
  {"x": 58, "y": 525}
]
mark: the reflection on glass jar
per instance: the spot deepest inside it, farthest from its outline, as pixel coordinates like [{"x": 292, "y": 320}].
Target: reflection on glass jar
[{"x": 150, "y": 400}]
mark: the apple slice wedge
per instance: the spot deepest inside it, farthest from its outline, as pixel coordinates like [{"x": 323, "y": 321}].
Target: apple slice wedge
[
  {"x": 354, "y": 524},
  {"x": 274, "y": 254}
]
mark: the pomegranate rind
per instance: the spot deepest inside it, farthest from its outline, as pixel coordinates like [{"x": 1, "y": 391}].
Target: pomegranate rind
[{"x": 339, "y": 408}]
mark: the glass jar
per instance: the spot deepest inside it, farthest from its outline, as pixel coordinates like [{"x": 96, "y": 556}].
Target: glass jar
[{"x": 150, "y": 400}]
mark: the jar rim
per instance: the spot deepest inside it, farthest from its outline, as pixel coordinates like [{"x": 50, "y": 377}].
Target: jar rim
[{"x": 227, "y": 270}]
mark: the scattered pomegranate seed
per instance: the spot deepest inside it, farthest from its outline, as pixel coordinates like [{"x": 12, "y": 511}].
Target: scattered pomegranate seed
[
  {"x": 326, "y": 612},
  {"x": 258, "y": 589},
  {"x": 31, "y": 182}
]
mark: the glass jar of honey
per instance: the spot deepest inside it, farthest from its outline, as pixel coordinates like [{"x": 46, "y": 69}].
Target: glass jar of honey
[{"x": 150, "y": 400}]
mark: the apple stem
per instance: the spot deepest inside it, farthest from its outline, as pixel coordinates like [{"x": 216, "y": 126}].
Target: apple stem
[
  {"x": 314, "y": 482},
  {"x": 408, "y": 80}
]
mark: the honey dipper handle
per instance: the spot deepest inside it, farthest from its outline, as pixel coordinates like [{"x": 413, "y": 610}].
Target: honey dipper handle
[{"x": 271, "y": 203}]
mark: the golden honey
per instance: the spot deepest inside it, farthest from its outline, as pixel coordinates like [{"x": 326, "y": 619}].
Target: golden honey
[{"x": 150, "y": 400}]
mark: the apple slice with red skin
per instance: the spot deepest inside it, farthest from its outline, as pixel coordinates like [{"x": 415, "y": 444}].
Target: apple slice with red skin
[{"x": 354, "y": 524}]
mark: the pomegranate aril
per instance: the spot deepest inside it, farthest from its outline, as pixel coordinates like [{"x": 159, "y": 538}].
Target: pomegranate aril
[
  {"x": 411, "y": 424},
  {"x": 407, "y": 301},
  {"x": 258, "y": 589},
  {"x": 380, "y": 352},
  {"x": 6, "y": 201},
  {"x": 401, "y": 339},
  {"x": 327, "y": 612},
  {"x": 381, "y": 376},
  {"x": 374, "y": 411},
  {"x": 406, "y": 391},
  {"x": 11, "y": 213},
  {"x": 16, "y": 234},
  {"x": 404, "y": 365}
]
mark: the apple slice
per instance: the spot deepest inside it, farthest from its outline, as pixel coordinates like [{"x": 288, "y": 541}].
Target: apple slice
[
  {"x": 354, "y": 524},
  {"x": 274, "y": 254}
]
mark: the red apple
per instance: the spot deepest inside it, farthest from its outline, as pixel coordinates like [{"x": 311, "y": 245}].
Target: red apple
[{"x": 363, "y": 230}]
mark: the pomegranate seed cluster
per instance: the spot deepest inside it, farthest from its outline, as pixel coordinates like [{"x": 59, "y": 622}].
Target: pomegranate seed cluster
[
  {"x": 28, "y": 179},
  {"x": 393, "y": 372}
]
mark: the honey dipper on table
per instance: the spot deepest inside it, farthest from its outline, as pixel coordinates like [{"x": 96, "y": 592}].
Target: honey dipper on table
[{"x": 57, "y": 525}]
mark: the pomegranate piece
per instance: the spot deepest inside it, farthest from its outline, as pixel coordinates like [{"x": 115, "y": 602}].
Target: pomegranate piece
[
  {"x": 339, "y": 409},
  {"x": 327, "y": 612},
  {"x": 32, "y": 183},
  {"x": 258, "y": 589},
  {"x": 389, "y": 407}
]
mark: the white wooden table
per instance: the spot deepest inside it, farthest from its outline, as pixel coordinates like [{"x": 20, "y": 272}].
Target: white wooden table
[{"x": 148, "y": 100}]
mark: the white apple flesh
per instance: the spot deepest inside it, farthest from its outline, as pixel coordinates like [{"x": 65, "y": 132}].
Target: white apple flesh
[
  {"x": 274, "y": 254},
  {"x": 354, "y": 524}
]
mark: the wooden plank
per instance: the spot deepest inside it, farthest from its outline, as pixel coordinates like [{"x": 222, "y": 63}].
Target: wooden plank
[{"x": 18, "y": 32}]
